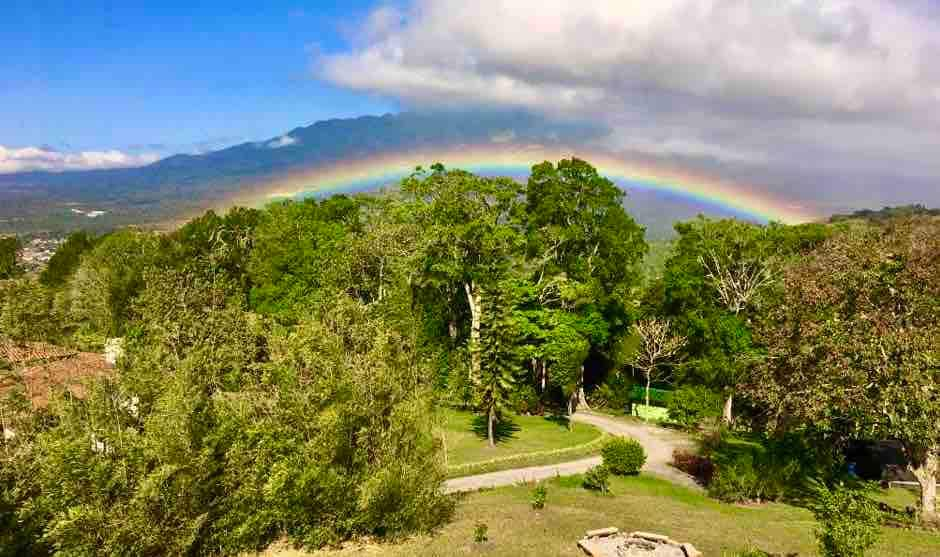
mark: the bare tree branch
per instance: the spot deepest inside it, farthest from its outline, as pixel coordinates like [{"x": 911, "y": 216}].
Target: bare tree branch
[{"x": 737, "y": 283}]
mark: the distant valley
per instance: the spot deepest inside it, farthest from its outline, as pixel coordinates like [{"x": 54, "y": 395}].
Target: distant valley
[{"x": 181, "y": 186}]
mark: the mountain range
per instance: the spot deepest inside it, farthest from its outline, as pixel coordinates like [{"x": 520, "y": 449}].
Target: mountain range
[{"x": 181, "y": 186}]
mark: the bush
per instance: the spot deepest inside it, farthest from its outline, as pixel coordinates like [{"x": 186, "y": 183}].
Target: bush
[
  {"x": 524, "y": 400},
  {"x": 480, "y": 532},
  {"x": 613, "y": 393},
  {"x": 699, "y": 467},
  {"x": 597, "y": 479},
  {"x": 747, "y": 477},
  {"x": 223, "y": 451},
  {"x": 848, "y": 522},
  {"x": 623, "y": 455},
  {"x": 539, "y": 494},
  {"x": 692, "y": 404}
]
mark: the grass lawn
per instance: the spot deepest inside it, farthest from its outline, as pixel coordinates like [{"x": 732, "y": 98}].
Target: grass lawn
[
  {"x": 466, "y": 442},
  {"x": 636, "y": 503}
]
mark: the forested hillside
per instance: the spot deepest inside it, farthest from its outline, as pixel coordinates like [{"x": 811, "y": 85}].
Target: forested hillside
[{"x": 282, "y": 367}]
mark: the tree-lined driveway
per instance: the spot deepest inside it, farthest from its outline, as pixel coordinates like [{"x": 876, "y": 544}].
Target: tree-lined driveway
[{"x": 658, "y": 442}]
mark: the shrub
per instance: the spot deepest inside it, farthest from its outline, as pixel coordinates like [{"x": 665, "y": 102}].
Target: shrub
[
  {"x": 614, "y": 392},
  {"x": 597, "y": 479},
  {"x": 748, "y": 471},
  {"x": 623, "y": 455},
  {"x": 215, "y": 458},
  {"x": 749, "y": 478},
  {"x": 848, "y": 522},
  {"x": 524, "y": 400},
  {"x": 479, "y": 532},
  {"x": 692, "y": 404},
  {"x": 539, "y": 494},
  {"x": 699, "y": 467}
]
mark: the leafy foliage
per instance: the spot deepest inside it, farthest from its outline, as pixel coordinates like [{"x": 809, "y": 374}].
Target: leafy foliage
[
  {"x": 597, "y": 479},
  {"x": 854, "y": 345},
  {"x": 317, "y": 433},
  {"x": 690, "y": 405},
  {"x": 539, "y": 495},
  {"x": 623, "y": 456},
  {"x": 9, "y": 251},
  {"x": 849, "y": 523},
  {"x": 66, "y": 259},
  {"x": 27, "y": 311}
]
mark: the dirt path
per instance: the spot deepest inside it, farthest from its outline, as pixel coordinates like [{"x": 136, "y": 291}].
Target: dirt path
[{"x": 657, "y": 441}]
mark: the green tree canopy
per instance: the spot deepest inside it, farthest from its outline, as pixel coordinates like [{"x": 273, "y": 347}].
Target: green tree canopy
[
  {"x": 66, "y": 259},
  {"x": 854, "y": 345}
]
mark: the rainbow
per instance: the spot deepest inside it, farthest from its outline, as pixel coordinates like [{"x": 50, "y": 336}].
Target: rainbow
[{"x": 373, "y": 172}]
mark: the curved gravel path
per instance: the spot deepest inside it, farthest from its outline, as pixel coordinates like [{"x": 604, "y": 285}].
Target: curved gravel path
[{"x": 657, "y": 441}]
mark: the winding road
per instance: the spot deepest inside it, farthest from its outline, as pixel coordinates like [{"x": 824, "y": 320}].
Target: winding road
[{"x": 657, "y": 441}]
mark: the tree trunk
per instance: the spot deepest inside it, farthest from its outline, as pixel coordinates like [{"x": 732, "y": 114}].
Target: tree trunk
[
  {"x": 476, "y": 311},
  {"x": 582, "y": 397},
  {"x": 544, "y": 374},
  {"x": 452, "y": 328},
  {"x": 490, "y": 420},
  {"x": 728, "y": 415},
  {"x": 649, "y": 379},
  {"x": 926, "y": 475}
]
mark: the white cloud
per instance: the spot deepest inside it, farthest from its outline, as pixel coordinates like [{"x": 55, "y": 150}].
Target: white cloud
[
  {"x": 283, "y": 141},
  {"x": 743, "y": 81},
  {"x": 25, "y": 159}
]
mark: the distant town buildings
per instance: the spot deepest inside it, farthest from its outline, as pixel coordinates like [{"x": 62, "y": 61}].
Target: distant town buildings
[{"x": 36, "y": 252}]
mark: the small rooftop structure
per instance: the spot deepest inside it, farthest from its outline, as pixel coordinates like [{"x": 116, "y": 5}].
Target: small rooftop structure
[{"x": 40, "y": 368}]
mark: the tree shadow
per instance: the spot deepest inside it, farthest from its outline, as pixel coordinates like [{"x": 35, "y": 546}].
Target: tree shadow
[
  {"x": 559, "y": 419},
  {"x": 503, "y": 430}
]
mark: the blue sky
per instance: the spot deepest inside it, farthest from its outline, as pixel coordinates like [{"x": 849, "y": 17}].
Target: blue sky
[
  {"x": 795, "y": 93},
  {"x": 169, "y": 75}
]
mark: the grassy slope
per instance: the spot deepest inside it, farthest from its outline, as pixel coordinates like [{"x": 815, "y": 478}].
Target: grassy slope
[
  {"x": 639, "y": 503},
  {"x": 466, "y": 436}
]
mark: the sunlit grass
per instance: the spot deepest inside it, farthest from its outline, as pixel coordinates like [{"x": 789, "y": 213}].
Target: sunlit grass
[
  {"x": 465, "y": 440},
  {"x": 635, "y": 503}
]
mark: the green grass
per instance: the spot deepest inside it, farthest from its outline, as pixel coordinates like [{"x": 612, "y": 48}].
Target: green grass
[
  {"x": 521, "y": 441},
  {"x": 898, "y": 497},
  {"x": 636, "y": 503}
]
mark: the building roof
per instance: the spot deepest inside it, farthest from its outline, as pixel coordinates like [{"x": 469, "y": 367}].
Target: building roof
[{"x": 56, "y": 368}]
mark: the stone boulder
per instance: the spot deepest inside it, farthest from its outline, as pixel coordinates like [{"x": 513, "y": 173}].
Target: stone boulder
[{"x": 610, "y": 542}]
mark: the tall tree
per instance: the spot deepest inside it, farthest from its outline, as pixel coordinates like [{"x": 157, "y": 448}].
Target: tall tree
[
  {"x": 299, "y": 256},
  {"x": 66, "y": 259},
  {"x": 577, "y": 226},
  {"x": 101, "y": 291},
  {"x": 470, "y": 232},
  {"x": 499, "y": 360},
  {"x": 854, "y": 343},
  {"x": 712, "y": 288},
  {"x": 583, "y": 249}
]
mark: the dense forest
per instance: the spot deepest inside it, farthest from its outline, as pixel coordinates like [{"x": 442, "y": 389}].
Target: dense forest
[{"x": 282, "y": 366}]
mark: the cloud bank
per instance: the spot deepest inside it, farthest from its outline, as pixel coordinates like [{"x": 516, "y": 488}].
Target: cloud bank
[
  {"x": 844, "y": 87},
  {"x": 26, "y": 159}
]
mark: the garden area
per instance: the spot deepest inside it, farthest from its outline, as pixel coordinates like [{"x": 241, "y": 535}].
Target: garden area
[{"x": 520, "y": 441}]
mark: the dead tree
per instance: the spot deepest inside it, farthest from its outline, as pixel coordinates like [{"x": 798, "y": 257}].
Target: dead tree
[{"x": 658, "y": 346}]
